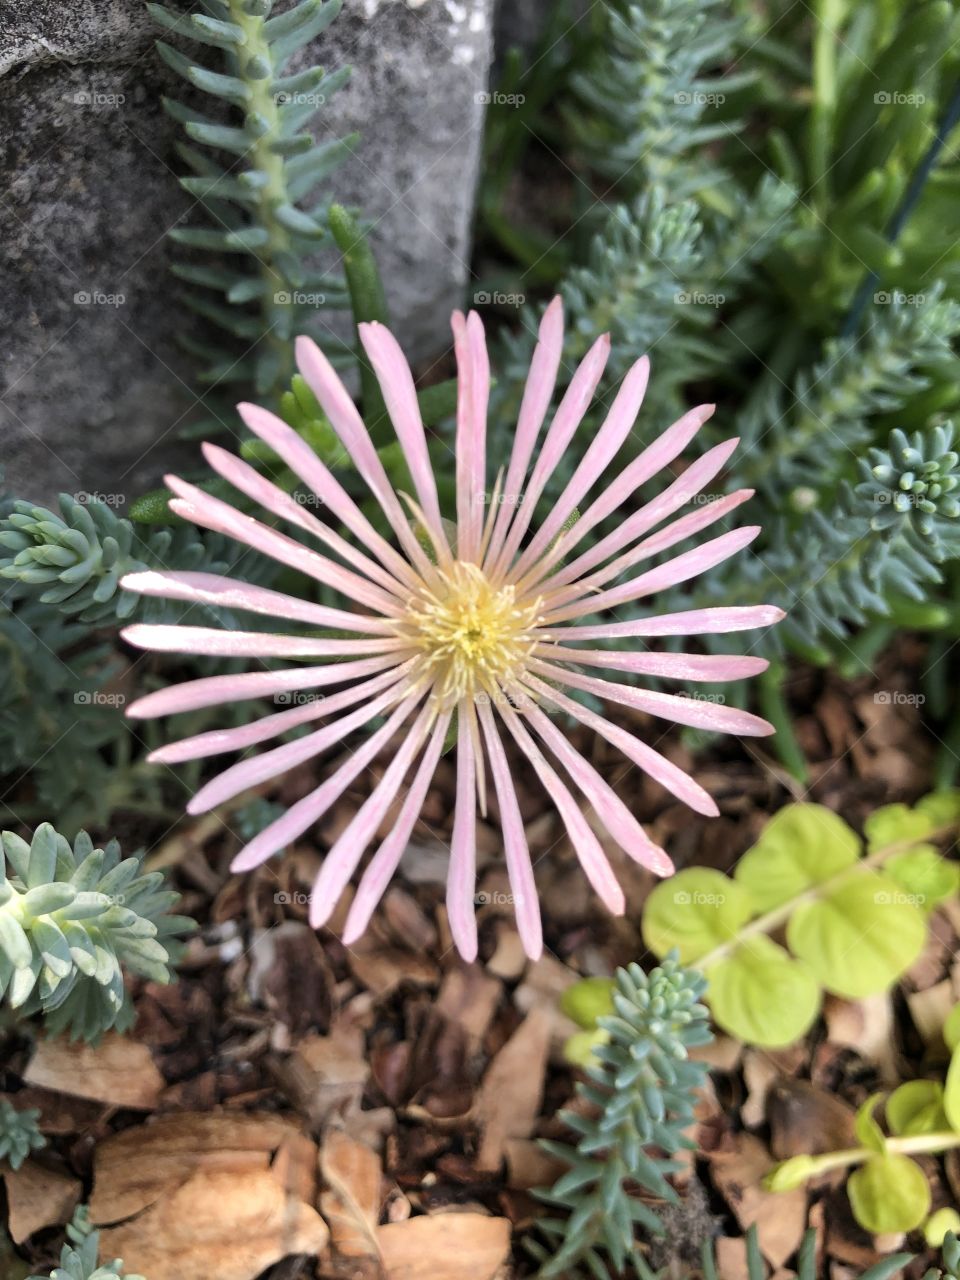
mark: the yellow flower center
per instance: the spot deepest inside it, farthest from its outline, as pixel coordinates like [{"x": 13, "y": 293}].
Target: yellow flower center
[{"x": 473, "y": 637}]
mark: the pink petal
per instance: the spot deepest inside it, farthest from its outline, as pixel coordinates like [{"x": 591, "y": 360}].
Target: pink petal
[
  {"x": 683, "y": 490},
  {"x": 600, "y": 453},
  {"x": 594, "y": 861},
  {"x": 516, "y": 852},
  {"x": 195, "y": 505},
  {"x": 249, "y": 773},
  {"x": 462, "y": 876},
  {"x": 610, "y": 809},
  {"x": 645, "y": 465},
  {"x": 384, "y": 862},
  {"x": 347, "y": 850},
  {"x": 163, "y": 637},
  {"x": 670, "y": 573},
  {"x": 687, "y": 622},
  {"x": 210, "y": 691},
  {"x": 313, "y": 707},
  {"x": 339, "y": 407},
  {"x": 537, "y": 394},
  {"x": 301, "y": 459},
  {"x": 694, "y": 712},
  {"x": 313, "y": 806},
  {"x": 658, "y": 767},
  {"x": 228, "y": 593},
  {"x": 400, "y": 396},
  {"x": 473, "y": 389},
  {"x": 568, "y": 417},
  {"x": 243, "y": 477},
  {"x": 672, "y": 666}
]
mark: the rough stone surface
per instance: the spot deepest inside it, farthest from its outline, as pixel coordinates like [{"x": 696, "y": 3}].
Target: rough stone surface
[{"x": 94, "y": 387}]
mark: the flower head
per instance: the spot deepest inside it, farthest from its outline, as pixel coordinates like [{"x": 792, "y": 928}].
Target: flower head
[{"x": 472, "y": 629}]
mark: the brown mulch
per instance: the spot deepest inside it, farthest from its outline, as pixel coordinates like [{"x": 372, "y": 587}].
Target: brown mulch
[{"x": 374, "y": 1111}]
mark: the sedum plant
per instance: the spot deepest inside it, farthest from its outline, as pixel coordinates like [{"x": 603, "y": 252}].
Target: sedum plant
[
  {"x": 19, "y": 1134},
  {"x": 854, "y": 921},
  {"x": 72, "y": 920},
  {"x": 78, "y": 1257},
  {"x": 889, "y": 1192},
  {"x": 641, "y": 1089},
  {"x": 255, "y": 178}
]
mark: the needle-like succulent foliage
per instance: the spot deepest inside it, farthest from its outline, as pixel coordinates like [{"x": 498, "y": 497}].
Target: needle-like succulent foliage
[
  {"x": 78, "y": 1257},
  {"x": 254, "y": 170},
  {"x": 641, "y": 1088},
  {"x": 19, "y": 1134},
  {"x": 72, "y": 919}
]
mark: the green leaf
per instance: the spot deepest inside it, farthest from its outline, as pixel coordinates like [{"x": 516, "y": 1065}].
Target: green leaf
[
  {"x": 951, "y": 1028},
  {"x": 942, "y": 807},
  {"x": 587, "y": 1000},
  {"x": 916, "y": 1107},
  {"x": 801, "y": 846},
  {"x": 894, "y": 823},
  {"x": 790, "y": 1174},
  {"x": 580, "y": 1048},
  {"x": 889, "y": 1193},
  {"x": 860, "y": 938},
  {"x": 951, "y": 1092},
  {"x": 924, "y": 875},
  {"x": 867, "y": 1130},
  {"x": 762, "y": 995},
  {"x": 937, "y": 1226},
  {"x": 697, "y": 910}
]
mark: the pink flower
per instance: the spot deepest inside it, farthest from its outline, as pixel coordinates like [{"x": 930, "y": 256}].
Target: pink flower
[{"x": 475, "y": 637}]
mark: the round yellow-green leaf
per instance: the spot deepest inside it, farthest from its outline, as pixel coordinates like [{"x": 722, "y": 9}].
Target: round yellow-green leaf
[
  {"x": 860, "y": 938},
  {"x": 916, "y": 1107},
  {"x": 926, "y": 877},
  {"x": 938, "y": 1224},
  {"x": 951, "y": 1028},
  {"x": 951, "y": 1091},
  {"x": 790, "y": 1174},
  {"x": 587, "y": 1000},
  {"x": 889, "y": 1193},
  {"x": 579, "y": 1049},
  {"x": 802, "y": 845},
  {"x": 894, "y": 823},
  {"x": 761, "y": 995},
  {"x": 942, "y": 807},
  {"x": 697, "y": 910},
  {"x": 869, "y": 1133}
]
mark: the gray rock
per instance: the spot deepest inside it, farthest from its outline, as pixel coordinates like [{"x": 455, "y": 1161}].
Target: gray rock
[{"x": 94, "y": 387}]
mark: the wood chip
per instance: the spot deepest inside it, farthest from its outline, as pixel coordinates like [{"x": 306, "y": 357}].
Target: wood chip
[
  {"x": 508, "y": 1102},
  {"x": 118, "y": 1071},
  {"x": 448, "y": 1246},
  {"x": 384, "y": 970},
  {"x": 217, "y": 1226},
  {"x": 868, "y": 1026},
  {"x": 351, "y": 1206},
  {"x": 469, "y": 997},
  {"x": 38, "y": 1197},
  {"x": 780, "y": 1217},
  {"x": 929, "y": 1010}
]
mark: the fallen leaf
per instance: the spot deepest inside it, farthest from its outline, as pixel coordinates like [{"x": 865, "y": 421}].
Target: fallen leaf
[
  {"x": 510, "y": 1094},
  {"x": 807, "y": 1120},
  {"x": 38, "y": 1197},
  {"x": 447, "y": 1246},
  {"x": 217, "y": 1226},
  {"x": 140, "y": 1167},
  {"x": 868, "y": 1026},
  {"x": 469, "y": 998},
  {"x": 780, "y": 1217},
  {"x": 352, "y": 1205},
  {"x": 117, "y": 1071}
]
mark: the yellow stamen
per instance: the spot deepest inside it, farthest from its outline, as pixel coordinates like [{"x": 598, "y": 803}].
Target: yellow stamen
[{"x": 474, "y": 638}]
